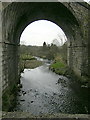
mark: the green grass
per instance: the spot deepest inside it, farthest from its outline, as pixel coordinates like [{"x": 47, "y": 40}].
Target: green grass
[
  {"x": 31, "y": 64},
  {"x": 58, "y": 64},
  {"x": 26, "y": 57},
  {"x": 59, "y": 67},
  {"x": 27, "y": 61}
]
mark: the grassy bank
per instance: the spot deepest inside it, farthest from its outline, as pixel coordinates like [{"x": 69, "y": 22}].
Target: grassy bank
[
  {"x": 28, "y": 62},
  {"x": 27, "y": 57},
  {"x": 59, "y": 66}
]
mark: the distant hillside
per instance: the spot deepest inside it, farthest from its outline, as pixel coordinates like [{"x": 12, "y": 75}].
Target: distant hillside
[{"x": 45, "y": 51}]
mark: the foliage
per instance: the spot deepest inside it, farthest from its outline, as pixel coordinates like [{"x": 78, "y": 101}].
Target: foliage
[
  {"x": 27, "y": 57},
  {"x": 31, "y": 64},
  {"x": 45, "y": 51},
  {"x": 44, "y": 44},
  {"x": 9, "y": 98},
  {"x": 28, "y": 61},
  {"x": 63, "y": 52},
  {"x": 59, "y": 66},
  {"x": 51, "y": 52}
]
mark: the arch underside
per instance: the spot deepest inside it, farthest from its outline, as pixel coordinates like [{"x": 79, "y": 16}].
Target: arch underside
[{"x": 18, "y": 15}]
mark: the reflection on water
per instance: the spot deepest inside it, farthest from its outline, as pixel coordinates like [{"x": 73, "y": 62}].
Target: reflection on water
[{"x": 45, "y": 92}]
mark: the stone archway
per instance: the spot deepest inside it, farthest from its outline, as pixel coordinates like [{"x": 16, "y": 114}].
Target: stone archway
[{"x": 69, "y": 16}]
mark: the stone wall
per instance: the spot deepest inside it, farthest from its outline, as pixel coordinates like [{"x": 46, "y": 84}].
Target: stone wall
[
  {"x": 10, "y": 52},
  {"x": 80, "y": 49},
  {"x": 71, "y": 17},
  {"x": 0, "y": 61}
]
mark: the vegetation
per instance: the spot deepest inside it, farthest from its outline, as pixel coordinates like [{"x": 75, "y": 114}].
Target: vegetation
[
  {"x": 45, "y": 51},
  {"x": 26, "y": 57},
  {"x": 51, "y": 52},
  {"x": 28, "y": 61},
  {"x": 59, "y": 66},
  {"x": 29, "y": 64},
  {"x": 9, "y": 98}
]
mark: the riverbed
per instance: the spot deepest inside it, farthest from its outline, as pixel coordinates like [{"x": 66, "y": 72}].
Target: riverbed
[{"x": 44, "y": 92}]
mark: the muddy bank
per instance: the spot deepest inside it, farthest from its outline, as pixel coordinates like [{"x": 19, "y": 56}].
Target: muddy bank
[{"x": 31, "y": 64}]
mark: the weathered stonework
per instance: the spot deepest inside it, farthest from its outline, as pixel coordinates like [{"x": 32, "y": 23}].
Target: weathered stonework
[
  {"x": 1, "y": 49},
  {"x": 71, "y": 17},
  {"x": 81, "y": 13}
]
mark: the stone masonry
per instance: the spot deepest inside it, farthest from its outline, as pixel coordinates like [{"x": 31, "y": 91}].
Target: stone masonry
[{"x": 71, "y": 17}]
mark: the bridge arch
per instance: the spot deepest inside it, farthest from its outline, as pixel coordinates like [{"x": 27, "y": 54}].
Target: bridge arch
[{"x": 16, "y": 16}]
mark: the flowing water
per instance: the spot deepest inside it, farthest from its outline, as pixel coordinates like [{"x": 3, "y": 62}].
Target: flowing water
[{"x": 45, "y": 92}]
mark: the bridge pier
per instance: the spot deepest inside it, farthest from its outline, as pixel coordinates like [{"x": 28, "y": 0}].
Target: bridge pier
[{"x": 10, "y": 76}]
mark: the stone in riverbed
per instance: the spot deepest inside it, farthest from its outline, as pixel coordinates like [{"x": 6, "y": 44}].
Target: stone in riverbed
[
  {"x": 36, "y": 90},
  {"x": 61, "y": 80},
  {"x": 32, "y": 101},
  {"x": 20, "y": 85},
  {"x": 22, "y": 100},
  {"x": 23, "y": 92}
]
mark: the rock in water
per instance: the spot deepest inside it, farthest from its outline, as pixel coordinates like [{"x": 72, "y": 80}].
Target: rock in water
[
  {"x": 32, "y": 101},
  {"x": 62, "y": 81},
  {"x": 59, "y": 80}
]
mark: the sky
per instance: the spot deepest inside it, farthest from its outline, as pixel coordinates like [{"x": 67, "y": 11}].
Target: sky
[
  {"x": 41, "y": 31},
  {"x": 87, "y": 1}
]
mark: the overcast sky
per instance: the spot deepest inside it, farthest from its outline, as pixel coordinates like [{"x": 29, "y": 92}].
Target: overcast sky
[
  {"x": 39, "y": 31},
  {"x": 87, "y": 1}
]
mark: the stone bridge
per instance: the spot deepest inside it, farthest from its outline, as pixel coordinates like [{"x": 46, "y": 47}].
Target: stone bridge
[{"x": 72, "y": 17}]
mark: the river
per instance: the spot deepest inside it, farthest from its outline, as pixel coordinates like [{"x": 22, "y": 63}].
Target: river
[{"x": 44, "y": 92}]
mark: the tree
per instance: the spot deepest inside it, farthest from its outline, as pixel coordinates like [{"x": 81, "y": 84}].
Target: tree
[{"x": 44, "y": 44}]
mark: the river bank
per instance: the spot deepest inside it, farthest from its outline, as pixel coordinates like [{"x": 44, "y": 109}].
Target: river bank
[
  {"x": 26, "y": 62},
  {"x": 60, "y": 67},
  {"x": 39, "y": 87},
  {"x": 29, "y": 63},
  {"x": 44, "y": 91}
]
